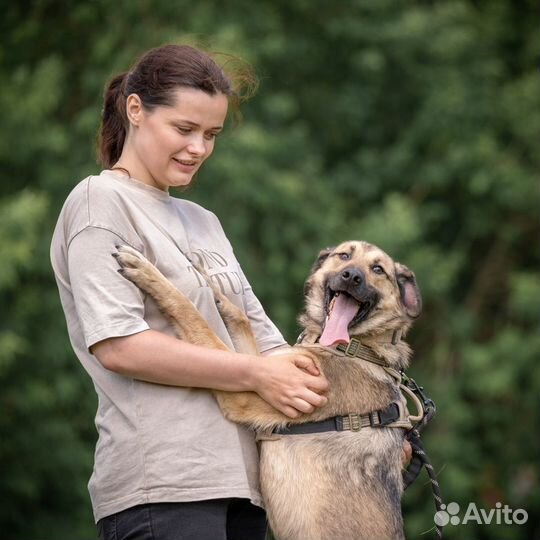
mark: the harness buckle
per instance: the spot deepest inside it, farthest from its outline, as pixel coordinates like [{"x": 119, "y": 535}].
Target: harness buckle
[
  {"x": 374, "y": 419},
  {"x": 351, "y": 422},
  {"x": 352, "y": 347},
  {"x": 390, "y": 414}
]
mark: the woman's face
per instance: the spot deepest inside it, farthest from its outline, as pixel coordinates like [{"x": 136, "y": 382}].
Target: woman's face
[{"x": 167, "y": 145}]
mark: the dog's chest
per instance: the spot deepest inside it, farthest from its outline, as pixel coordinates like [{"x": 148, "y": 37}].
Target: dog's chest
[{"x": 356, "y": 386}]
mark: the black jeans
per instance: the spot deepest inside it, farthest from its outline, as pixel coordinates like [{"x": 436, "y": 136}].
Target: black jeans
[{"x": 219, "y": 519}]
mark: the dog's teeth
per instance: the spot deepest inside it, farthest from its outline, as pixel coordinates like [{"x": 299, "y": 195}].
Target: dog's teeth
[{"x": 332, "y": 302}]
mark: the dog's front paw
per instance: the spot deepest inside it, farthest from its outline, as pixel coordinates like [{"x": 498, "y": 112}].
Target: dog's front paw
[
  {"x": 128, "y": 257},
  {"x": 134, "y": 266}
]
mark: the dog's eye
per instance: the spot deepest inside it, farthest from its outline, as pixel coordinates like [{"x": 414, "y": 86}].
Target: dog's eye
[
  {"x": 378, "y": 269},
  {"x": 344, "y": 256}
]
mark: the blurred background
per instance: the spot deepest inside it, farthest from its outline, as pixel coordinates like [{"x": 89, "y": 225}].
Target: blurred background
[{"x": 414, "y": 125}]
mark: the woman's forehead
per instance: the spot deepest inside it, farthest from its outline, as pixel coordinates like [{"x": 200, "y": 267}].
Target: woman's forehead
[{"x": 198, "y": 107}]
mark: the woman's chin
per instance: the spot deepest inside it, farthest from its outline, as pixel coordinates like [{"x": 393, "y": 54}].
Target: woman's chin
[{"x": 181, "y": 180}]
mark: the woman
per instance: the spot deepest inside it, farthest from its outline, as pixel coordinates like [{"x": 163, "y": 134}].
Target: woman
[{"x": 167, "y": 464}]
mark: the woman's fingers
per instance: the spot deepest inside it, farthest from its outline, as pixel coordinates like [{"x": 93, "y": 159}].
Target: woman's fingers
[
  {"x": 307, "y": 402},
  {"x": 303, "y": 406},
  {"x": 317, "y": 382},
  {"x": 307, "y": 364},
  {"x": 313, "y": 398}
]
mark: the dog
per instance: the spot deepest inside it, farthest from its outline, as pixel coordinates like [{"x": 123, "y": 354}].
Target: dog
[{"x": 335, "y": 473}]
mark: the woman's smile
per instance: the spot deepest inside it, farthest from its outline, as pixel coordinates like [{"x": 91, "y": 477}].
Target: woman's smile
[{"x": 187, "y": 166}]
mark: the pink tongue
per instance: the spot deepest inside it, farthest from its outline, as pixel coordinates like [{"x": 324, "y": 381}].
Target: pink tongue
[{"x": 336, "y": 328}]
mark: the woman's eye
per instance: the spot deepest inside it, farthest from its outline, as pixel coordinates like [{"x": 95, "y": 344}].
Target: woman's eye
[
  {"x": 211, "y": 136},
  {"x": 184, "y": 131},
  {"x": 344, "y": 256},
  {"x": 378, "y": 269}
]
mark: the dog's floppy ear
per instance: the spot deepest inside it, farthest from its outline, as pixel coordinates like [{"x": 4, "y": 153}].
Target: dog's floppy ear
[
  {"x": 323, "y": 255},
  {"x": 409, "y": 291}
]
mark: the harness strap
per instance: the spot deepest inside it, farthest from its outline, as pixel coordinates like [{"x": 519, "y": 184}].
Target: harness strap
[
  {"x": 349, "y": 422},
  {"x": 356, "y": 349}
]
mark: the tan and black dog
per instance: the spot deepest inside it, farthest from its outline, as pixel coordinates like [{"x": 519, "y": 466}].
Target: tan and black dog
[{"x": 334, "y": 474}]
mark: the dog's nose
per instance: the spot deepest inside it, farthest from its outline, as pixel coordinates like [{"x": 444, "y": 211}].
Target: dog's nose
[{"x": 352, "y": 276}]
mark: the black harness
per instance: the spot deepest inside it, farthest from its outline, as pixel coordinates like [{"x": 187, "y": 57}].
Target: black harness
[{"x": 349, "y": 422}]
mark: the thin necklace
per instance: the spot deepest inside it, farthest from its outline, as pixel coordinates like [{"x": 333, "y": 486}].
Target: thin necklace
[{"x": 121, "y": 169}]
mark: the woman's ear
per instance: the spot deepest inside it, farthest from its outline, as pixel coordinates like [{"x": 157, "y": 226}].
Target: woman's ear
[
  {"x": 134, "y": 109},
  {"x": 409, "y": 291}
]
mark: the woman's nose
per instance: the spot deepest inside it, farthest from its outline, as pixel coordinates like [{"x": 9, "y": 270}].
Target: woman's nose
[{"x": 196, "y": 146}]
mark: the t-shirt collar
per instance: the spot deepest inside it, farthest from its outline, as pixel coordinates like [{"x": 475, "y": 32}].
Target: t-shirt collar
[{"x": 133, "y": 183}]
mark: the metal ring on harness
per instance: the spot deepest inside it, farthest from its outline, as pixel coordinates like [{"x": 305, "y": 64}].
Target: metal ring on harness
[{"x": 419, "y": 407}]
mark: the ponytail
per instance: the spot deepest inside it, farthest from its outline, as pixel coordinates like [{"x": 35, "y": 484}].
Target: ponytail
[{"x": 113, "y": 130}]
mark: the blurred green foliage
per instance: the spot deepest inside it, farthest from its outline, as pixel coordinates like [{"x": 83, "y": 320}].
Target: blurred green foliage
[{"x": 410, "y": 124}]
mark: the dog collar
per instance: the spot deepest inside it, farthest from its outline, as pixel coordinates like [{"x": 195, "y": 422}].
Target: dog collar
[
  {"x": 355, "y": 348},
  {"x": 391, "y": 336}
]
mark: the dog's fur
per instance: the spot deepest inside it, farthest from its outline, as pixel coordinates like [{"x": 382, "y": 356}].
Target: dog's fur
[{"x": 333, "y": 485}]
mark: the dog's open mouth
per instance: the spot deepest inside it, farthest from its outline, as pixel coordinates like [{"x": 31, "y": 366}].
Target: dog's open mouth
[{"x": 342, "y": 312}]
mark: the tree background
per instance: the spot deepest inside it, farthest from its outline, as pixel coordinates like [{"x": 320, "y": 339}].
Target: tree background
[{"x": 411, "y": 124}]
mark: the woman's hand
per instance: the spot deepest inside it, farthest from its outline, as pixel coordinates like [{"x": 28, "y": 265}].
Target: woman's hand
[
  {"x": 406, "y": 453},
  {"x": 292, "y": 383}
]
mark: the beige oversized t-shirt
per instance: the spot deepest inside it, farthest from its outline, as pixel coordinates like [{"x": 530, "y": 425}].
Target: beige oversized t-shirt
[{"x": 156, "y": 443}]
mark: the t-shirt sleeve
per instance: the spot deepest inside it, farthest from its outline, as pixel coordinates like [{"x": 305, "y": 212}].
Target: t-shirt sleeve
[{"x": 107, "y": 304}]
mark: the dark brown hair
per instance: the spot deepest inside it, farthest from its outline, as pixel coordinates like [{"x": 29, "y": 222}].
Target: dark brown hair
[{"x": 154, "y": 78}]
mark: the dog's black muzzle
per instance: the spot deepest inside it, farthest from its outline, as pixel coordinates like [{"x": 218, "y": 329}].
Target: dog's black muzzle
[{"x": 352, "y": 281}]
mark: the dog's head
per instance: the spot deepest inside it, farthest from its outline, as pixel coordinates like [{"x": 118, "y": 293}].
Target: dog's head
[{"x": 356, "y": 289}]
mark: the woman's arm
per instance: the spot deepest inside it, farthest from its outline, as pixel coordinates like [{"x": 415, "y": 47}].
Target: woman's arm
[{"x": 291, "y": 383}]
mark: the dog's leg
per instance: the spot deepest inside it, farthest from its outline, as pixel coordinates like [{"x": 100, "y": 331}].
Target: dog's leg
[
  {"x": 234, "y": 318},
  {"x": 241, "y": 407}
]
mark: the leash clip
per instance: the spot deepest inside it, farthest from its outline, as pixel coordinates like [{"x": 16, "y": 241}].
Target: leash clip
[{"x": 428, "y": 405}]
